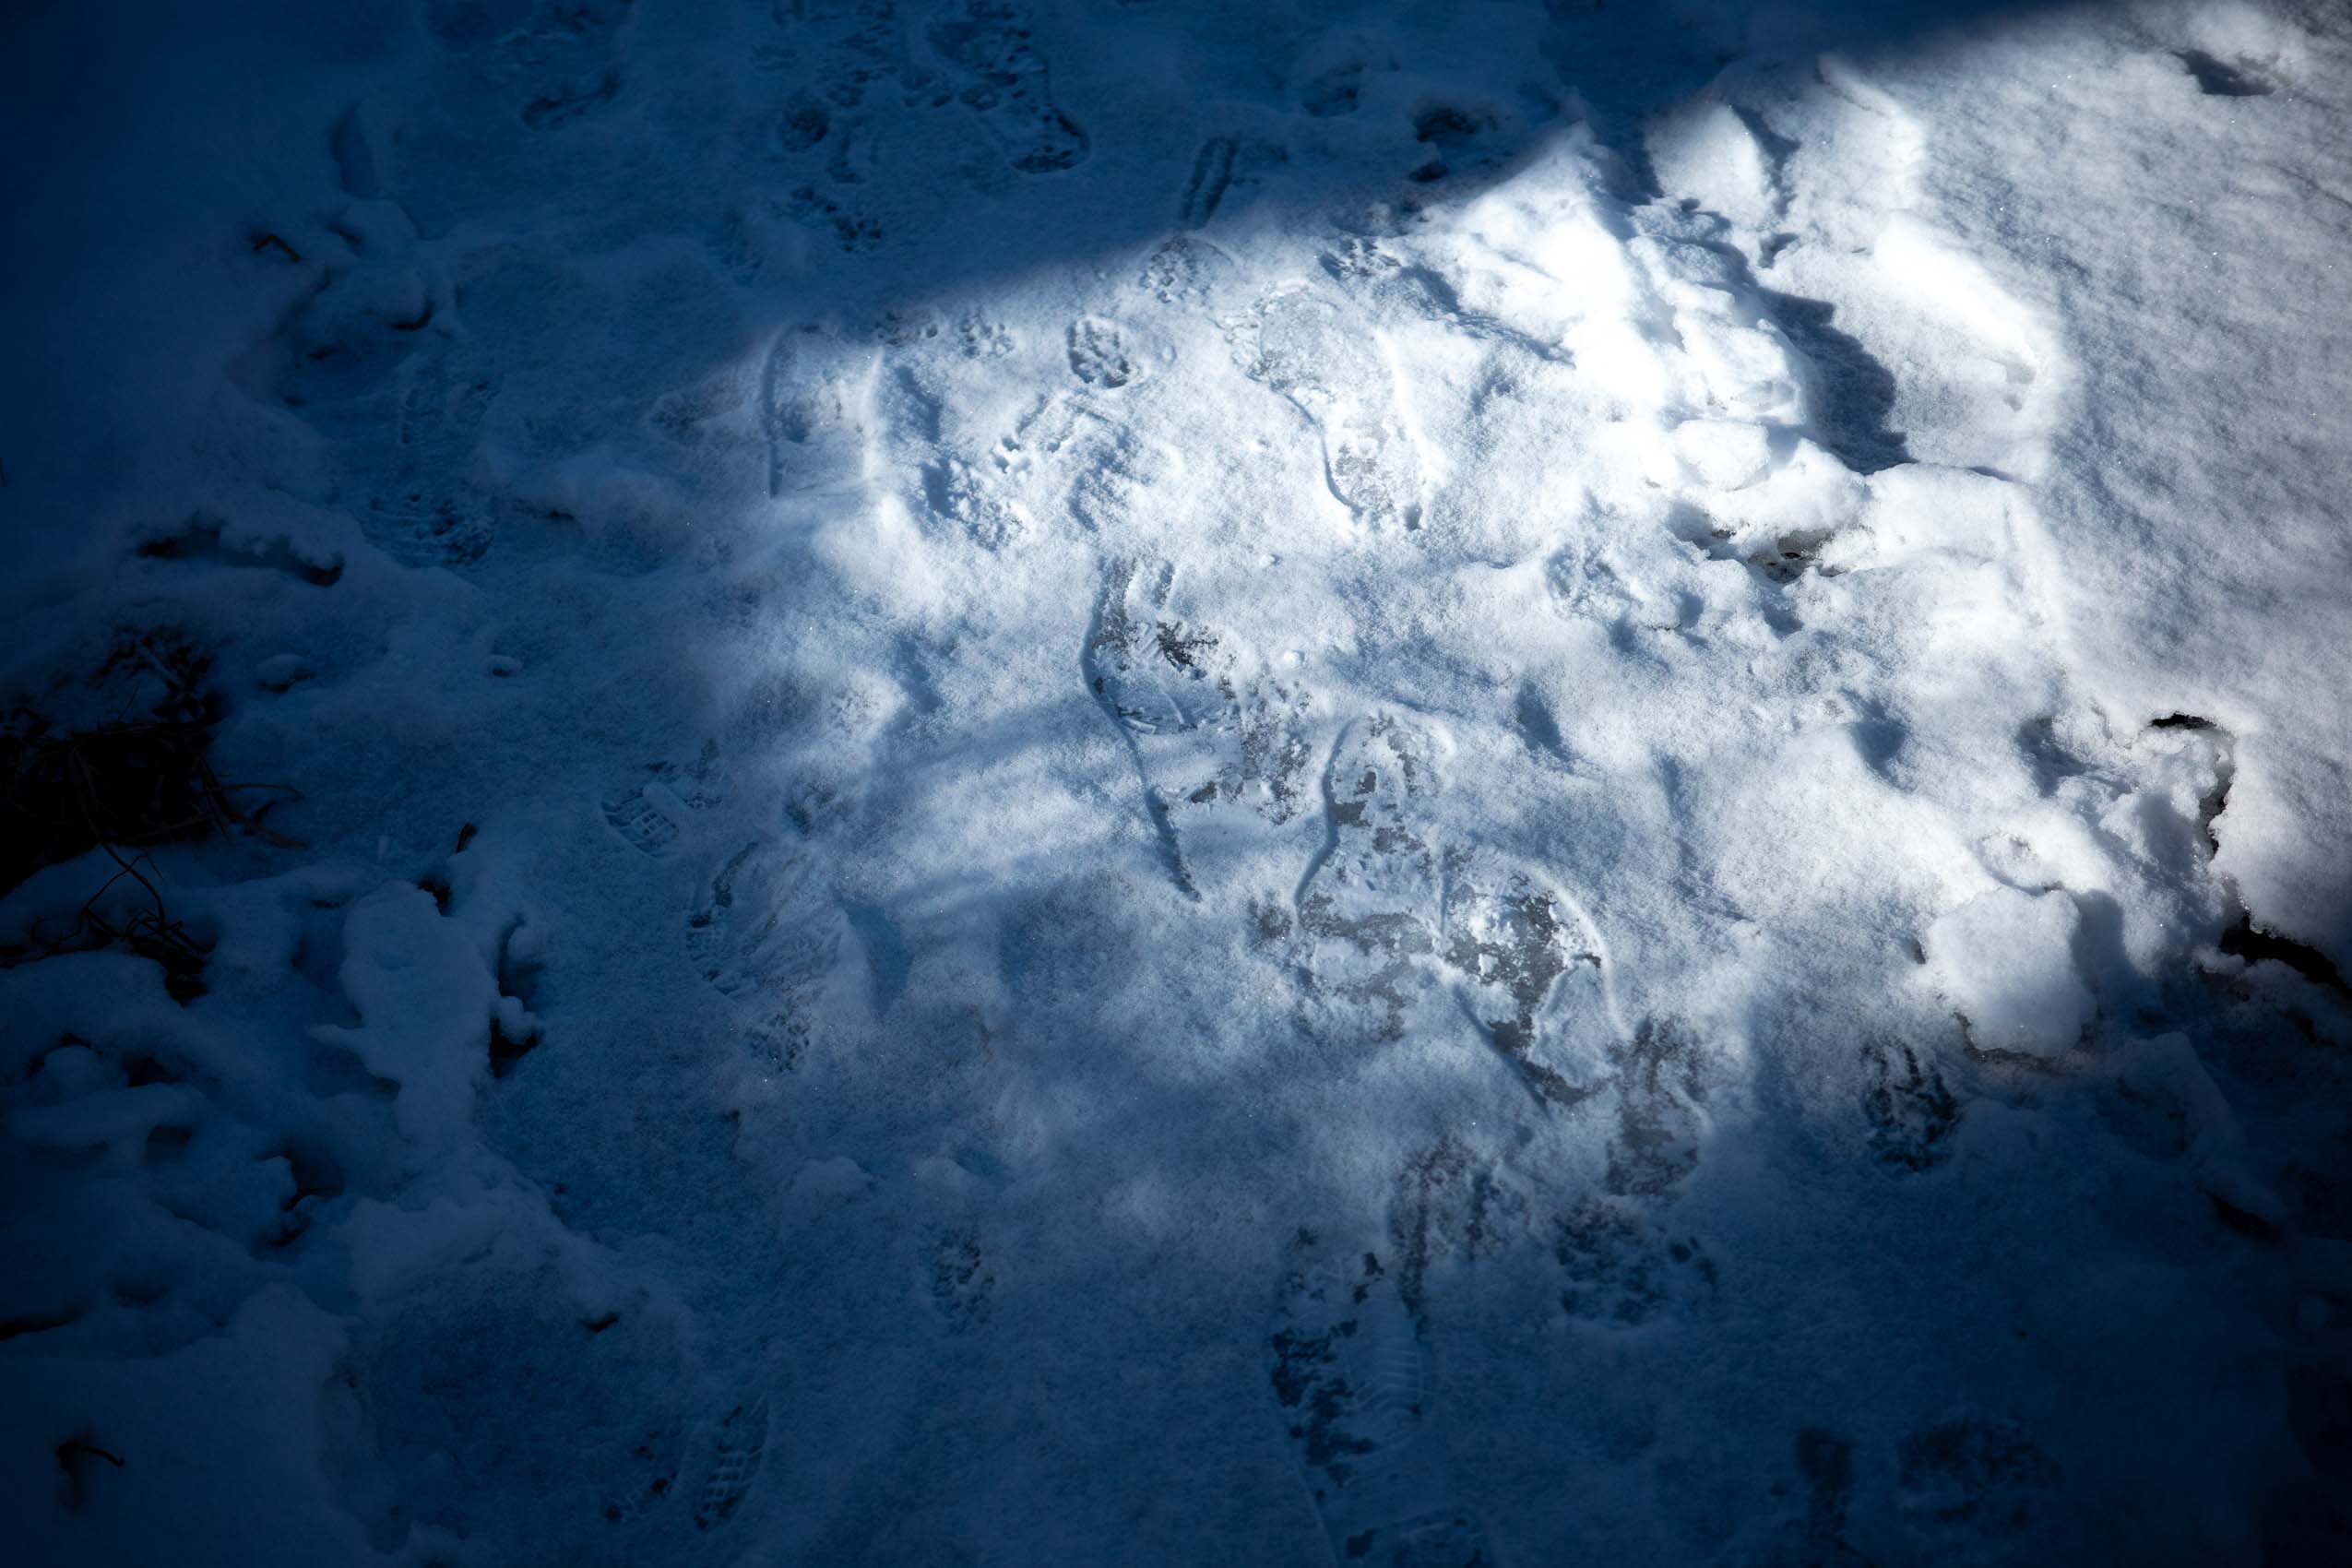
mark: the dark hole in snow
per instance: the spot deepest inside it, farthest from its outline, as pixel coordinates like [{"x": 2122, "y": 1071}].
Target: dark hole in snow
[
  {"x": 314, "y": 1172},
  {"x": 138, "y": 777},
  {"x": 167, "y": 1142},
  {"x": 142, "y": 1070},
  {"x": 134, "y": 772},
  {"x": 505, "y": 1050},
  {"x": 2248, "y": 941},
  {"x": 202, "y": 540},
  {"x": 804, "y": 124},
  {"x": 2253, "y": 1227},
  {"x": 78, "y": 1457},
  {"x": 1443, "y": 125},
  {"x": 1857, "y": 391},
  {"x": 2219, "y": 79},
  {"x": 1336, "y": 92},
  {"x": 33, "y": 1323}
]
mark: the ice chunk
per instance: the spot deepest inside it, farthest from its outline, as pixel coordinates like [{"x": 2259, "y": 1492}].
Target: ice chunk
[
  {"x": 425, "y": 997},
  {"x": 1708, "y": 151},
  {"x": 1722, "y": 454},
  {"x": 2005, "y": 962}
]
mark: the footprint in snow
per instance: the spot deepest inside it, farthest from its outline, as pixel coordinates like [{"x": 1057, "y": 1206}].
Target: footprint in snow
[
  {"x": 767, "y": 933},
  {"x": 961, "y": 1283},
  {"x": 1332, "y": 92},
  {"x": 990, "y": 55},
  {"x": 803, "y": 123},
  {"x": 1620, "y": 1266},
  {"x": 1529, "y": 972},
  {"x": 1824, "y": 1463},
  {"x": 1107, "y": 355},
  {"x": 427, "y": 515},
  {"x": 1359, "y": 259},
  {"x": 1455, "y": 141},
  {"x": 1369, "y": 907},
  {"x": 1976, "y": 1487},
  {"x": 1185, "y": 270},
  {"x": 555, "y": 67},
  {"x": 1212, "y": 173},
  {"x": 1659, "y": 1081},
  {"x": 1943, "y": 365},
  {"x": 1351, "y": 1378},
  {"x": 958, "y": 493},
  {"x": 854, "y": 230},
  {"x": 980, "y": 338},
  {"x": 1450, "y": 1203},
  {"x": 1222, "y": 748},
  {"x": 738, "y": 1447},
  {"x": 851, "y": 46},
  {"x": 483, "y": 1383},
  {"x": 1063, "y": 453},
  {"x": 1911, "y": 1111},
  {"x": 1297, "y": 343},
  {"x": 812, "y": 411},
  {"x": 1117, "y": 475},
  {"x": 648, "y": 815},
  {"x": 1387, "y": 915}
]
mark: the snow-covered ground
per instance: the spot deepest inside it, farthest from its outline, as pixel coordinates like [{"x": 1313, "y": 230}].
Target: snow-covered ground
[{"x": 1178, "y": 782}]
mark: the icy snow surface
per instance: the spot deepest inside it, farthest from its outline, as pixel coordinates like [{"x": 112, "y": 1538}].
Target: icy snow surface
[{"x": 1160, "y": 783}]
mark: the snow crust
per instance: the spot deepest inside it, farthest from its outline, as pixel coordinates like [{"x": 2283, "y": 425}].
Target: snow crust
[{"x": 1041, "y": 763}]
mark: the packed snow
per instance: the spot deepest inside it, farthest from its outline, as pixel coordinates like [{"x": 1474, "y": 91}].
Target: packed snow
[{"x": 1020, "y": 781}]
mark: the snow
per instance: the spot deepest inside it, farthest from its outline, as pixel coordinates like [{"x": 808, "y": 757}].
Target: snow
[
  {"x": 2005, "y": 962},
  {"x": 1022, "y": 758}
]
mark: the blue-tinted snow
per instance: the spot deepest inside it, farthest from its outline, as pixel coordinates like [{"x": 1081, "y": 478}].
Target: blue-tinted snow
[{"x": 1171, "y": 783}]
